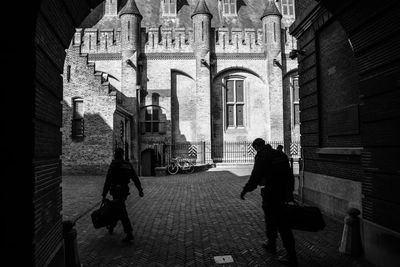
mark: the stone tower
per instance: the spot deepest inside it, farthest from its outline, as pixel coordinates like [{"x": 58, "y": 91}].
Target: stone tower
[
  {"x": 201, "y": 44},
  {"x": 271, "y": 23},
  {"x": 130, "y": 49}
]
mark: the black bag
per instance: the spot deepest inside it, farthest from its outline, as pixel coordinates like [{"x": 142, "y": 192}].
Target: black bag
[
  {"x": 105, "y": 215},
  {"x": 304, "y": 218}
]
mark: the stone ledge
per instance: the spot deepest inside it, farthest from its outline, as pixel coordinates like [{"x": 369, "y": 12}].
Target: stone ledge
[{"x": 340, "y": 150}]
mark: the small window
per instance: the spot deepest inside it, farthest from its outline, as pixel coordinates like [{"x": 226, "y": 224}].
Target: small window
[
  {"x": 77, "y": 119},
  {"x": 229, "y": 8},
  {"x": 151, "y": 120},
  {"x": 234, "y": 98},
  {"x": 295, "y": 97},
  {"x": 288, "y": 7},
  {"x": 68, "y": 73},
  {"x": 169, "y": 8}
]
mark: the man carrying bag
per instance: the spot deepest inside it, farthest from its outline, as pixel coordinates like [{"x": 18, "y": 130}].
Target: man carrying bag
[
  {"x": 272, "y": 171},
  {"x": 117, "y": 181}
]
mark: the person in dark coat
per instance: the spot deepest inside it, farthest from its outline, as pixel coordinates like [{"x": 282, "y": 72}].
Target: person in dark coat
[
  {"x": 119, "y": 174},
  {"x": 272, "y": 172}
]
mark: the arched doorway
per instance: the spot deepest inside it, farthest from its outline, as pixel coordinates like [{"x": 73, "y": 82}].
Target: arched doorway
[{"x": 148, "y": 162}]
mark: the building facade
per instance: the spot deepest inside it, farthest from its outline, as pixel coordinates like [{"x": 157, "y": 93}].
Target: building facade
[
  {"x": 145, "y": 74},
  {"x": 348, "y": 68}
]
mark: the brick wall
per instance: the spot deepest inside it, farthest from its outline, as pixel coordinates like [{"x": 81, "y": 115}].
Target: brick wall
[{"x": 92, "y": 154}]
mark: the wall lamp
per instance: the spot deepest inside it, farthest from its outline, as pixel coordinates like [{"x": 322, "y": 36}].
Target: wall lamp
[{"x": 295, "y": 53}]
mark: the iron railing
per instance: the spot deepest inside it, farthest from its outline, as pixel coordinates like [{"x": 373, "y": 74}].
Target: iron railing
[{"x": 212, "y": 152}]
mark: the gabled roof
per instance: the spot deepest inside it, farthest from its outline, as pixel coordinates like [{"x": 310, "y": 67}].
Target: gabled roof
[
  {"x": 201, "y": 8},
  {"x": 130, "y": 8},
  {"x": 271, "y": 9}
]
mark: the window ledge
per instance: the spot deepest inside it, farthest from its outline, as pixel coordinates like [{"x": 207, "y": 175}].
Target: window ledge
[{"x": 339, "y": 151}]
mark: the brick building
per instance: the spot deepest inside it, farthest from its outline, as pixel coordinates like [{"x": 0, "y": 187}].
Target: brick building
[
  {"x": 146, "y": 74},
  {"x": 348, "y": 67}
]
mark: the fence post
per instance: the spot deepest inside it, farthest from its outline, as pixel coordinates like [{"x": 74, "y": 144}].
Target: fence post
[
  {"x": 351, "y": 237},
  {"x": 70, "y": 244}
]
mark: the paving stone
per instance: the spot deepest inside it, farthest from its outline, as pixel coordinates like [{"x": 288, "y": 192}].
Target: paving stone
[{"x": 186, "y": 220}]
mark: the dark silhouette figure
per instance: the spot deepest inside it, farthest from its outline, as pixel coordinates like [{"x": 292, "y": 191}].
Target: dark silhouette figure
[
  {"x": 117, "y": 181},
  {"x": 272, "y": 171},
  {"x": 280, "y": 148}
]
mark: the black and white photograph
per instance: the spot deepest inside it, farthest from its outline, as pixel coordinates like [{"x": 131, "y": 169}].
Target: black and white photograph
[{"x": 201, "y": 133}]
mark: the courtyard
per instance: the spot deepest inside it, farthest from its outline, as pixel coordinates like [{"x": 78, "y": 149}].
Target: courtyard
[{"x": 187, "y": 220}]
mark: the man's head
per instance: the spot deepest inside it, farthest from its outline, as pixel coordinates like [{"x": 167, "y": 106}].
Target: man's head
[
  {"x": 119, "y": 153},
  {"x": 258, "y": 144},
  {"x": 279, "y": 147}
]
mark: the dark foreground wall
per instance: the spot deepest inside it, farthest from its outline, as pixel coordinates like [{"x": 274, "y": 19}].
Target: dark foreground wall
[{"x": 349, "y": 84}]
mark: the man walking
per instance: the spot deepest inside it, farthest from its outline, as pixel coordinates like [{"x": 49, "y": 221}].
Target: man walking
[
  {"x": 118, "y": 177},
  {"x": 272, "y": 171}
]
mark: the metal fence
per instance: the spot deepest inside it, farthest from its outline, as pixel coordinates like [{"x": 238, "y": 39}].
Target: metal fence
[{"x": 213, "y": 152}]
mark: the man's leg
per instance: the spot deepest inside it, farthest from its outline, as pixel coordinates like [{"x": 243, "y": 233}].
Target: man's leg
[
  {"x": 126, "y": 223},
  {"x": 271, "y": 228},
  {"x": 288, "y": 241}
]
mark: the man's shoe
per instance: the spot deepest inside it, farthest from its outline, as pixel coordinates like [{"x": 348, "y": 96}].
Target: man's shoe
[
  {"x": 269, "y": 247},
  {"x": 288, "y": 260},
  {"x": 128, "y": 238}
]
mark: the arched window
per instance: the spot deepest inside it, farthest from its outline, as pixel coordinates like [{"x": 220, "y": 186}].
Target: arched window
[
  {"x": 288, "y": 7},
  {"x": 234, "y": 102},
  {"x": 169, "y": 8},
  {"x": 229, "y": 8},
  {"x": 77, "y": 118}
]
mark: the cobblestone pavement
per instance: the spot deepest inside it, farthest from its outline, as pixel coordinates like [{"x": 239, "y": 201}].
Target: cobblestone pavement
[{"x": 186, "y": 220}]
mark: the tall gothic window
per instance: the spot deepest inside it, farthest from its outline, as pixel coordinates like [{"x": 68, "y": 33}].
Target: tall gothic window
[
  {"x": 229, "y": 7},
  {"x": 234, "y": 101},
  {"x": 295, "y": 97},
  {"x": 288, "y": 7},
  {"x": 77, "y": 118},
  {"x": 169, "y": 7}
]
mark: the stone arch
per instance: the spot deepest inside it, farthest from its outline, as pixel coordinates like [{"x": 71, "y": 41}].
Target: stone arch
[{"x": 238, "y": 69}]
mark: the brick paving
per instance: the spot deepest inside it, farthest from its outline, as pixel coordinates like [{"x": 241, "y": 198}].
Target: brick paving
[{"x": 186, "y": 220}]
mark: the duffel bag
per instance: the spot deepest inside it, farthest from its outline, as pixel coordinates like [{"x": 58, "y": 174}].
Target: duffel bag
[
  {"x": 304, "y": 218},
  {"x": 105, "y": 215}
]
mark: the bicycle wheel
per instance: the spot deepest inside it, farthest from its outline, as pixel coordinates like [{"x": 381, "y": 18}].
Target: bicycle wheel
[
  {"x": 172, "y": 168},
  {"x": 188, "y": 167}
]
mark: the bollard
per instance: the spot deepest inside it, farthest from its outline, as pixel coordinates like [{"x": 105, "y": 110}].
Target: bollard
[
  {"x": 70, "y": 245},
  {"x": 351, "y": 237}
]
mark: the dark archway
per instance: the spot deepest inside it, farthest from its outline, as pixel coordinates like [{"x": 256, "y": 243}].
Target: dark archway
[{"x": 32, "y": 171}]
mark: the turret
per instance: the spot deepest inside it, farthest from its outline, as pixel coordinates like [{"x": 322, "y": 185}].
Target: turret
[
  {"x": 271, "y": 21},
  {"x": 130, "y": 49},
  {"x": 201, "y": 45},
  {"x": 130, "y": 45},
  {"x": 202, "y": 27}
]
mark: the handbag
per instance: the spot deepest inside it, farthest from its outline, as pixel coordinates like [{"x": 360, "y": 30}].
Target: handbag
[
  {"x": 304, "y": 218},
  {"x": 104, "y": 215}
]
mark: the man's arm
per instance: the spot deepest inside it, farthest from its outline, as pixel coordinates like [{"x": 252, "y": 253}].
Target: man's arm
[
  {"x": 107, "y": 183},
  {"x": 256, "y": 175},
  {"x": 136, "y": 181}
]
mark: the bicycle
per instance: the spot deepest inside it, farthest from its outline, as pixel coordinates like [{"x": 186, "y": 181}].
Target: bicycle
[{"x": 178, "y": 163}]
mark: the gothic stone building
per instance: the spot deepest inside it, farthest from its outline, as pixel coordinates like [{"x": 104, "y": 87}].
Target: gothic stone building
[{"x": 199, "y": 72}]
